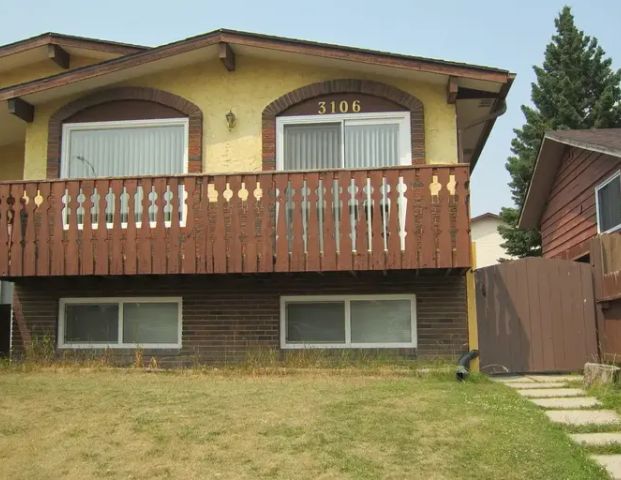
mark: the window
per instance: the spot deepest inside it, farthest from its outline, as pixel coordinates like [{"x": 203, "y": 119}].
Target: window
[
  {"x": 119, "y": 322},
  {"x": 125, "y": 148},
  {"x": 608, "y": 201},
  {"x": 353, "y": 321},
  {"x": 369, "y": 140}
]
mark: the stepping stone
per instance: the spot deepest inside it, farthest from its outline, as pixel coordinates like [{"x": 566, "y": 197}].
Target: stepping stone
[
  {"x": 555, "y": 378},
  {"x": 597, "y": 439},
  {"x": 551, "y": 392},
  {"x": 511, "y": 378},
  {"x": 566, "y": 402},
  {"x": 522, "y": 385},
  {"x": 583, "y": 417},
  {"x": 612, "y": 464}
]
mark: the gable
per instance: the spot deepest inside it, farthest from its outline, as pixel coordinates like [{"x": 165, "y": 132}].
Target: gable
[{"x": 569, "y": 216}]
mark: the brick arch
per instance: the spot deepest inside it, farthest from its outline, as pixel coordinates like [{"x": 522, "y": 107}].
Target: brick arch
[
  {"x": 378, "y": 89},
  {"x": 166, "y": 99}
]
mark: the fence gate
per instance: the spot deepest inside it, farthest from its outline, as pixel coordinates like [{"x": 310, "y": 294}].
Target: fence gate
[{"x": 536, "y": 315}]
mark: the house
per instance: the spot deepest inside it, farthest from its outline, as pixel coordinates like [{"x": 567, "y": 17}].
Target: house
[
  {"x": 487, "y": 241},
  {"x": 575, "y": 200},
  {"x": 235, "y": 191}
]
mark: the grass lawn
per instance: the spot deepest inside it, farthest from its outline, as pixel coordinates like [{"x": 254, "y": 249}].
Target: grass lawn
[{"x": 314, "y": 424}]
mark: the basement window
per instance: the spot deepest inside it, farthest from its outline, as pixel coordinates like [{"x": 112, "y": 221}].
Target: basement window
[
  {"x": 352, "y": 321},
  {"x": 119, "y": 322},
  {"x": 608, "y": 202}
]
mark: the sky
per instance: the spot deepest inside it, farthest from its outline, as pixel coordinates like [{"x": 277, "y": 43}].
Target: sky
[{"x": 504, "y": 34}]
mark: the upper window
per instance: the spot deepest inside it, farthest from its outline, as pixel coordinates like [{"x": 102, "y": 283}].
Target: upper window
[
  {"x": 119, "y": 323},
  {"x": 608, "y": 200},
  {"x": 125, "y": 148},
  {"x": 356, "y": 140},
  {"x": 354, "y": 321}
]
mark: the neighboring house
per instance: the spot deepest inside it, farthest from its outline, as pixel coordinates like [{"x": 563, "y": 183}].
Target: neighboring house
[
  {"x": 487, "y": 241},
  {"x": 575, "y": 199},
  {"x": 235, "y": 191}
]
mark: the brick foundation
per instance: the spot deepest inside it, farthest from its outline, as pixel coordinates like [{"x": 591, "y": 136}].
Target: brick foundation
[{"x": 226, "y": 316}]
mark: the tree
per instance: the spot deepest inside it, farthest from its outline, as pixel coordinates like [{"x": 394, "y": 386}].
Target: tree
[{"x": 576, "y": 88}]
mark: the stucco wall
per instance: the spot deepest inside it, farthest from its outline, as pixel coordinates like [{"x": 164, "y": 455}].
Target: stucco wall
[
  {"x": 488, "y": 241},
  {"x": 40, "y": 69},
  {"x": 11, "y": 161},
  {"x": 253, "y": 85}
]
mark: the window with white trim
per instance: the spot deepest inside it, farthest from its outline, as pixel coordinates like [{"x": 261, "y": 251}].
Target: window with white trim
[
  {"x": 348, "y": 321},
  {"x": 608, "y": 202},
  {"x": 120, "y": 322},
  {"x": 125, "y": 148},
  {"x": 358, "y": 140}
]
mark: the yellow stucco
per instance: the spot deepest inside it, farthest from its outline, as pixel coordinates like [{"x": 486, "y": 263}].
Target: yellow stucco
[
  {"x": 40, "y": 69},
  {"x": 11, "y": 161},
  {"x": 253, "y": 85}
]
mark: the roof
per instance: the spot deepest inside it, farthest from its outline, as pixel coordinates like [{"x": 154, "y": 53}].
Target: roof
[
  {"x": 605, "y": 140},
  {"x": 68, "y": 40},
  {"x": 484, "y": 216},
  {"x": 261, "y": 41}
]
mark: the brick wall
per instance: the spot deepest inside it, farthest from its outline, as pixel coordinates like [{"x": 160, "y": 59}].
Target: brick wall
[{"x": 224, "y": 316}]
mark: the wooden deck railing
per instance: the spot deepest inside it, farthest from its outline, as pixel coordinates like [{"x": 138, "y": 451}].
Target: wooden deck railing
[
  {"x": 378, "y": 219},
  {"x": 606, "y": 261}
]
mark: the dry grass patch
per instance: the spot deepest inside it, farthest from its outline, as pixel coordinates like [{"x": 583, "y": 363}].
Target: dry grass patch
[{"x": 75, "y": 424}]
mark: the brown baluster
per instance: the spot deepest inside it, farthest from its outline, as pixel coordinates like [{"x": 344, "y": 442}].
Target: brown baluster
[
  {"x": 427, "y": 230},
  {"x": 297, "y": 256},
  {"x": 195, "y": 254},
  {"x": 143, "y": 233},
  {"x": 393, "y": 254},
  {"x": 266, "y": 231},
  {"x": 281, "y": 181},
  {"x": 410, "y": 258},
  {"x": 377, "y": 219},
  {"x": 57, "y": 248},
  {"x": 219, "y": 233},
  {"x": 42, "y": 222},
  {"x": 157, "y": 234},
  {"x": 312, "y": 225},
  {"x": 29, "y": 254},
  {"x": 4, "y": 229},
  {"x": 235, "y": 241},
  {"x": 330, "y": 197},
  {"x": 250, "y": 233},
  {"x": 129, "y": 233},
  {"x": 462, "y": 200}
]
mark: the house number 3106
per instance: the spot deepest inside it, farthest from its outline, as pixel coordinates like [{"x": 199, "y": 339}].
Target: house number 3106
[{"x": 343, "y": 106}]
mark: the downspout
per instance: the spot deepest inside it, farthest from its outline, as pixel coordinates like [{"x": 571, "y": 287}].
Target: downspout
[{"x": 463, "y": 365}]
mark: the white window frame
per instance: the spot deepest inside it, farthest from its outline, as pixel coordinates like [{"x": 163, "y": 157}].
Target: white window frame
[
  {"x": 68, "y": 128},
  {"x": 403, "y": 120},
  {"x": 616, "y": 176},
  {"x": 118, "y": 301},
  {"x": 346, "y": 299}
]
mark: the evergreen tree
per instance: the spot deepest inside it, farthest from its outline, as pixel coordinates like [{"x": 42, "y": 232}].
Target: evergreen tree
[{"x": 576, "y": 88}]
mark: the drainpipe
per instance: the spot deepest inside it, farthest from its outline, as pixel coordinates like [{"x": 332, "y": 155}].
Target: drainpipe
[{"x": 463, "y": 365}]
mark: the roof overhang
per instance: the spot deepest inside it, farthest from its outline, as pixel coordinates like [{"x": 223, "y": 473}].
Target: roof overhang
[{"x": 477, "y": 91}]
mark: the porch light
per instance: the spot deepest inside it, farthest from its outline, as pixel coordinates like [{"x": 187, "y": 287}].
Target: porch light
[{"x": 230, "y": 120}]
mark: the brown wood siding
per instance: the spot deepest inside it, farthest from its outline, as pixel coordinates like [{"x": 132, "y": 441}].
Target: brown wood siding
[
  {"x": 569, "y": 218},
  {"x": 227, "y": 316}
]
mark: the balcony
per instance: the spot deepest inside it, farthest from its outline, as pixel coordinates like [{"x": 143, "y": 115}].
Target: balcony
[{"x": 374, "y": 219}]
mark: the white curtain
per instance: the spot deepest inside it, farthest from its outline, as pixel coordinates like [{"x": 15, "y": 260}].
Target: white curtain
[
  {"x": 312, "y": 146},
  {"x": 125, "y": 151}
]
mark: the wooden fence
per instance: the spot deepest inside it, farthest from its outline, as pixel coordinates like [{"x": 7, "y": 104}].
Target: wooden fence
[
  {"x": 536, "y": 315},
  {"x": 377, "y": 219}
]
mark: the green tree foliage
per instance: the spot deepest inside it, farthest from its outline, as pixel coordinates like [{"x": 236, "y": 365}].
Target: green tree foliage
[{"x": 576, "y": 88}]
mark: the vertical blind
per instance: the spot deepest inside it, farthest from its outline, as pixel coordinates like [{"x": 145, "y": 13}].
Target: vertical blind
[
  {"x": 312, "y": 146},
  {"x": 371, "y": 146},
  {"x": 125, "y": 151},
  {"x": 321, "y": 146}
]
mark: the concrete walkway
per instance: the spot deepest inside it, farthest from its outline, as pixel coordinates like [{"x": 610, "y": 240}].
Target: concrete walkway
[{"x": 572, "y": 406}]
